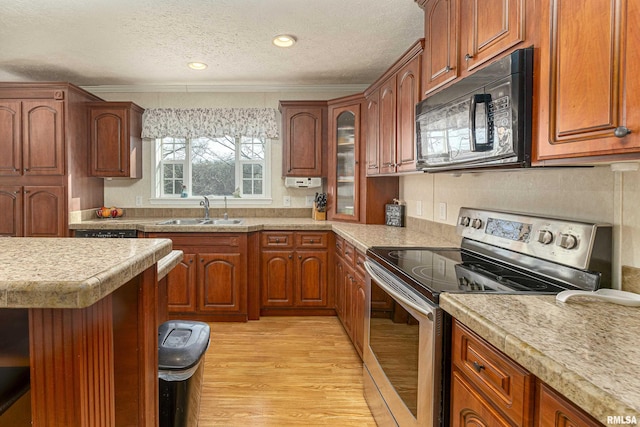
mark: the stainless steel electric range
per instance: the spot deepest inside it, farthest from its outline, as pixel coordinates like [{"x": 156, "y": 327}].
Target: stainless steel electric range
[{"x": 406, "y": 348}]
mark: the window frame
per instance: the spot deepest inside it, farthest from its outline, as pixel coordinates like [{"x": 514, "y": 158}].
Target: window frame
[{"x": 157, "y": 190}]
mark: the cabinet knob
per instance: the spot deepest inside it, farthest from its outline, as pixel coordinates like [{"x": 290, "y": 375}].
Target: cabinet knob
[
  {"x": 299, "y": 256},
  {"x": 26, "y": 169},
  {"x": 447, "y": 69},
  {"x": 621, "y": 131},
  {"x": 16, "y": 192},
  {"x": 468, "y": 57},
  {"x": 201, "y": 259},
  {"x": 277, "y": 240},
  {"x": 27, "y": 191},
  {"x": 477, "y": 366}
]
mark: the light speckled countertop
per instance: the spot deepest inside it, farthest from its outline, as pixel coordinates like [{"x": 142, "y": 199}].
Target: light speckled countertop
[
  {"x": 71, "y": 273},
  {"x": 589, "y": 352}
]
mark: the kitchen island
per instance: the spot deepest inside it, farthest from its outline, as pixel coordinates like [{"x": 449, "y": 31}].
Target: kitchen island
[{"x": 91, "y": 306}]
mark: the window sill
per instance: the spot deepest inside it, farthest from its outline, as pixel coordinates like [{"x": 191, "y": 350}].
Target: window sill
[{"x": 215, "y": 201}]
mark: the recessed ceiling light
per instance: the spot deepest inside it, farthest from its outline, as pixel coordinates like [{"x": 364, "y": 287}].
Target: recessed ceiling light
[
  {"x": 197, "y": 65},
  {"x": 284, "y": 40}
]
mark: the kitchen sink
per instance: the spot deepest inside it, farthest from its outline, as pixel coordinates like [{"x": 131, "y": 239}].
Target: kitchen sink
[
  {"x": 227, "y": 221},
  {"x": 201, "y": 221},
  {"x": 186, "y": 221}
]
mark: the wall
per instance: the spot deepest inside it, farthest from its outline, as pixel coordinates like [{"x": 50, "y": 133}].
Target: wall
[
  {"x": 593, "y": 194},
  {"x": 123, "y": 193}
]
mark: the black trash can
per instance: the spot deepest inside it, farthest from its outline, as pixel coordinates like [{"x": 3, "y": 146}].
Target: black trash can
[{"x": 181, "y": 349}]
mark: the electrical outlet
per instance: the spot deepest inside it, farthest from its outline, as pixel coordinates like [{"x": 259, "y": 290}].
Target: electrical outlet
[
  {"x": 138, "y": 200},
  {"x": 308, "y": 202},
  {"x": 442, "y": 211},
  {"x": 419, "y": 208},
  {"x": 286, "y": 200}
]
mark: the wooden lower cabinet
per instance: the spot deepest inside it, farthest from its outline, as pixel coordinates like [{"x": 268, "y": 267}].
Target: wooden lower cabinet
[
  {"x": 469, "y": 408},
  {"x": 490, "y": 389},
  {"x": 554, "y": 410},
  {"x": 295, "y": 274},
  {"x": 210, "y": 284},
  {"x": 350, "y": 291}
]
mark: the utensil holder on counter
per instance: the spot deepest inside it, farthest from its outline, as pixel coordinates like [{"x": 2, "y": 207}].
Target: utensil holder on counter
[{"x": 317, "y": 214}]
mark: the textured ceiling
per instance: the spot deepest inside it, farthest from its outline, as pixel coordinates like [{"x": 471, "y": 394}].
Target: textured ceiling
[{"x": 149, "y": 42}]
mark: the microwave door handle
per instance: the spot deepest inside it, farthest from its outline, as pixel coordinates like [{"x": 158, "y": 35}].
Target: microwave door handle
[{"x": 483, "y": 98}]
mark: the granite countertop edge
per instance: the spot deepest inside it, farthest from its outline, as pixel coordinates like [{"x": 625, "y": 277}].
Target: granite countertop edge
[
  {"x": 594, "y": 398},
  {"x": 78, "y": 290}
]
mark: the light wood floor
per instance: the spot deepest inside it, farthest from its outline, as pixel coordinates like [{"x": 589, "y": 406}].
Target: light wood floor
[{"x": 282, "y": 371}]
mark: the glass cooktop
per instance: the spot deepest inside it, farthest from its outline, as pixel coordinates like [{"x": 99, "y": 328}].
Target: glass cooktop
[{"x": 456, "y": 270}]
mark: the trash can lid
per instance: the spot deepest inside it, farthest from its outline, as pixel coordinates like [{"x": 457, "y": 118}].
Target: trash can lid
[{"x": 181, "y": 344}]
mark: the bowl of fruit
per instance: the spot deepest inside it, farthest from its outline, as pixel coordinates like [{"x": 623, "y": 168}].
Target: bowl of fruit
[{"x": 112, "y": 212}]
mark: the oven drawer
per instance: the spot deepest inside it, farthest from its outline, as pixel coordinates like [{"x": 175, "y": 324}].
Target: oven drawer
[{"x": 503, "y": 382}]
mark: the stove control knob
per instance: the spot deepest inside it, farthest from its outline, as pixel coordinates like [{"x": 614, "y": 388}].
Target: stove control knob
[
  {"x": 476, "y": 223},
  {"x": 464, "y": 221},
  {"x": 568, "y": 241},
  {"x": 545, "y": 237}
]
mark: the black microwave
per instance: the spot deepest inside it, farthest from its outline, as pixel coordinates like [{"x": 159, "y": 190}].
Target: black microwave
[{"x": 483, "y": 121}]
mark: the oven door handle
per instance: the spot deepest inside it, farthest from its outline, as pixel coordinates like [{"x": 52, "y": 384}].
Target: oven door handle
[{"x": 388, "y": 284}]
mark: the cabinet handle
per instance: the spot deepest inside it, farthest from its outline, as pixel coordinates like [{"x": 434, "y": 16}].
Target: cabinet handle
[
  {"x": 468, "y": 57},
  {"x": 16, "y": 192},
  {"x": 311, "y": 241},
  {"x": 388, "y": 164},
  {"x": 477, "y": 366},
  {"x": 27, "y": 191},
  {"x": 447, "y": 69},
  {"x": 356, "y": 162},
  {"x": 358, "y": 263},
  {"x": 290, "y": 256},
  {"x": 201, "y": 259},
  {"x": 299, "y": 256},
  {"x": 621, "y": 131},
  {"x": 26, "y": 169},
  {"x": 347, "y": 252},
  {"x": 277, "y": 240},
  {"x": 190, "y": 261}
]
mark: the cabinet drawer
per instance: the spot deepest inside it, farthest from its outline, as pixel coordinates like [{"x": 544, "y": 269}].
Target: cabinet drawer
[
  {"x": 360, "y": 258},
  {"x": 277, "y": 239},
  {"x": 507, "y": 385},
  {"x": 192, "y": 239},
  {"x": 349, "y": 253},
  {"x": 311, "y": 240}
]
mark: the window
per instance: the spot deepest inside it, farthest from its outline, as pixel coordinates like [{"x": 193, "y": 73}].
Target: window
[{"x": 227, "y": 166}]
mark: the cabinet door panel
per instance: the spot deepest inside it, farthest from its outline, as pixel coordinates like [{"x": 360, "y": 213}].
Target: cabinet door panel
[
  {"x": 388, "y": 126},
  {"x": 44, "y": 212},
  {"x": 491, "y": 27},
  {"x": 358, "y": 313},
  {"x": 11, "y": 208},
  {"x": 554, "y": 410},
  {"x": 181, "y": 285},
  {"x": 340, "y": 290},
  {"x": 109, "y": 142},
  {"x": 468, "y": 408},
  {"x": 372, "y": 134},
  {"x": 10, "y": 139},
  {"x": 440, "y": 45},
  {"x": 220, "y": 283},
  {"x": 277, "y": 279},
  {"x": 408, "y": 88},
  {"x": 599, "y": 57},
  {"x": 311, "y": 275},
  {"x": 304, "y": 153},
  {"x": 43, "y": 137}
]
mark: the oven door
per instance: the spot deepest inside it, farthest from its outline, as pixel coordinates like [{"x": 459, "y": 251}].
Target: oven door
[{"x": 403, "y": 353}]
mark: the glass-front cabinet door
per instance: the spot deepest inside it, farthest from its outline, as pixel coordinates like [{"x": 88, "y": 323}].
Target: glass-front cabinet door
[{"x": 344, "y": 178}]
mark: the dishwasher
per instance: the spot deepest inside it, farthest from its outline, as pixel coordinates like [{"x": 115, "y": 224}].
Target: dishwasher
[{"x": 107, "y": 234}]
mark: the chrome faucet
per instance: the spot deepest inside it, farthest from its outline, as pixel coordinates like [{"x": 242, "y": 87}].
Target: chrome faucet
[
  {"x": 226, "y": 215},
  {"x": 205, "y": 204}
]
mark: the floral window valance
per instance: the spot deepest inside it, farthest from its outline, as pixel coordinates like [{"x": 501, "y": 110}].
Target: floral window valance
[{"x": 209, "y": 122}]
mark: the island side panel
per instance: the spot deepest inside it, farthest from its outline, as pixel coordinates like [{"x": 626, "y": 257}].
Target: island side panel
[
  {"x": 71, "y": 356},
  {"x": 135, "y": 312}
]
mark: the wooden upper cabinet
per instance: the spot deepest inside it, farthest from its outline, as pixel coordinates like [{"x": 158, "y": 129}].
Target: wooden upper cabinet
[
  {"x": 408, "y": 95},
  {"x": 32, "y": 138},
  {"x": 589, "y": 94},
  {"x": 462, "y": 35},
  {"x": 387, "y": 138},
  {"x": 304, "y": 134},
  {"x": 10, "y": 138},
  {"x": 440, "y": 57},
  {"x": 488, "y": 28},
  {"x": 391, "y": 103},
  {"x": 115, "y": 140},
  {"x": 372, "y": 133}
]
